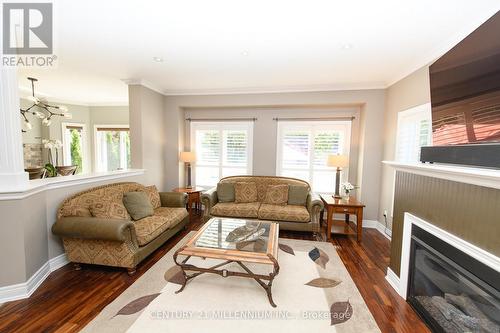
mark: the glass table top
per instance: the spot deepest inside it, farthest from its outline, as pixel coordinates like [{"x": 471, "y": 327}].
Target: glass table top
[{"x": 235, "y": 234}]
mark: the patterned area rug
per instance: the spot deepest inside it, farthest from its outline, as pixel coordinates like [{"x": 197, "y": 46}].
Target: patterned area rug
[{"x": 313, "y": 292}]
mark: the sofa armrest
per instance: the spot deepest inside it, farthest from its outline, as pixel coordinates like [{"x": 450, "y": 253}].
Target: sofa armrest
[
  {"x": 94, "y": 228},
  {"x": 314, "y": 207},
  {"x": 209, "y": 199},
  {"x": 173, "y": 199}
]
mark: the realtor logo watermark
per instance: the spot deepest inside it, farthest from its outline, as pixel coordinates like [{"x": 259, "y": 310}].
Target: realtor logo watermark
[{"x": 28, "y": 31}]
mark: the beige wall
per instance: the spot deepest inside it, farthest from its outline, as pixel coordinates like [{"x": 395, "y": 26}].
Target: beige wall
[
  {"x": 411, "y": 91},
  {"x": 26, "y": 240},
  {"x": 148, "y": 133},
  {"x": 371, "y": 105}
]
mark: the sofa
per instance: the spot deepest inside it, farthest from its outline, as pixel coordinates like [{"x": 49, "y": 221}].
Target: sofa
[
  {"x": 96, "y": 228},
  {"x": 294, "y": 214}
]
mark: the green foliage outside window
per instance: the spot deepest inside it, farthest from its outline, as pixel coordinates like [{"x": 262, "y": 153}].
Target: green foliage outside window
[
  {"x": 76, "y": 150},
  {"x": 127, "y": 147}
]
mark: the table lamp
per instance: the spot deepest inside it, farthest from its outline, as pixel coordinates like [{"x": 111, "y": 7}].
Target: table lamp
[
  {"x": 188, "y": 157},
  {"x": 339, "y": 162}
]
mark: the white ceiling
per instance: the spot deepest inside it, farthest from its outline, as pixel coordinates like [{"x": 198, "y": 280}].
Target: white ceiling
[{"x": 231, "y": 46}]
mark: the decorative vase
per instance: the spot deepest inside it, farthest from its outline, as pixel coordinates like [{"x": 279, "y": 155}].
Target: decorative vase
[
  {"x": 35, "y": 173},
  {"x": 66, "y": 170},
  {"x": 346, "y": 195}
]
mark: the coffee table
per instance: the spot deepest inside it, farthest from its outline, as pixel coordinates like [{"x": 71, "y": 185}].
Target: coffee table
[{"x": 211, "y": 242}]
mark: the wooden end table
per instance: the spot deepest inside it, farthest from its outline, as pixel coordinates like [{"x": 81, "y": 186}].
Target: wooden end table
[
  {"x": 194, "y": 196},
  {"x": 342, "y": 206}
]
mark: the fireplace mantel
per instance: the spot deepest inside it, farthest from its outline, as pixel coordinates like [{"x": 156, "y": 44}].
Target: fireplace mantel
[{"x": 475, "y": 176}]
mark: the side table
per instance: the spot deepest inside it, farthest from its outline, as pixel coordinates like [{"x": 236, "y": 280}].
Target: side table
[
  {"x": 194, "y": 197},
  {"x": 342, "y": 206}
]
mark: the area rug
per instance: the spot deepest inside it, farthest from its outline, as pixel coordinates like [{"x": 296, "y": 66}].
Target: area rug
[{"x": 313, "y": 293}]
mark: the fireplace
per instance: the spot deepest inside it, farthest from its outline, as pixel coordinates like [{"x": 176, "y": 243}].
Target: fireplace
[{"x": 449, "y": 289}]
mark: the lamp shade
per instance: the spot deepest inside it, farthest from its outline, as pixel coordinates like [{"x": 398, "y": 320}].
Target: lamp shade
[
  {"x": 338, "y": 161},
  {"x": 187, "y": 157}
]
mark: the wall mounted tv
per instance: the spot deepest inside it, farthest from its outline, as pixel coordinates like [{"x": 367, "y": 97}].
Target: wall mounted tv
[{"x": 465, "y": 98}]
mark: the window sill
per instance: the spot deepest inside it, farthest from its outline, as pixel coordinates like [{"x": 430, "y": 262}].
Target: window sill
[{"x": 40, "y": 185}]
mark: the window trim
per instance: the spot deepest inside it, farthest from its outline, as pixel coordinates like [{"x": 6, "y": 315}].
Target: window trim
[
  {"x": 402, "y": 115},
  {"x": 407, "y": 113},
  {"x": 346, "y": 147},
  {"x": 209, "y": 125},
  {"x": 96, "y": 145},
  {"x": 85, "y": 146}
]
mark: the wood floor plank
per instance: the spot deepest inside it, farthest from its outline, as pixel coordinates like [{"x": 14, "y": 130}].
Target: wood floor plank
[{"x": 67, "y": 300}]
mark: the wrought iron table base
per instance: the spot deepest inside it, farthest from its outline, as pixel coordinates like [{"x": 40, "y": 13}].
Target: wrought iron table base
[{"x": 260, "y": 278}]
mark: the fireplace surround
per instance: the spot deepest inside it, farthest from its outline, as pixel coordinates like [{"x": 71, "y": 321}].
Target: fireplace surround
[
  {"x": 449, "y": 289},
  {"x": 457, "y": 205}
]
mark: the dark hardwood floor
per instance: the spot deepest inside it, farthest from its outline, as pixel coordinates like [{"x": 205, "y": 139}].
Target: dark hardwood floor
[{"x": 68, "y": 299}]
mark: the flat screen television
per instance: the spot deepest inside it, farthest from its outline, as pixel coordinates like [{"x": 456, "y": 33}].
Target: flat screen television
[{"x": 465, "y": 99}]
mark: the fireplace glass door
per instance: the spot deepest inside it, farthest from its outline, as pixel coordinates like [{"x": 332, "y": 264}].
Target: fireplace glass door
[{"x": 447, "y": 296}]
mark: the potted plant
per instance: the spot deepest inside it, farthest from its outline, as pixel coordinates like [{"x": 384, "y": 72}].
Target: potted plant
[{"x": 51, "y": 146}]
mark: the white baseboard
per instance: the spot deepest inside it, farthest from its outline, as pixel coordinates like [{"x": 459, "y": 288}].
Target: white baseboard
[
  {"x": 384, "y": 231},
  {"x": 374, "y": 224},
  {"x": 395, "y": 283},
  {"x": 26, "y": 289},
  {"x": 58, "y": 262}
]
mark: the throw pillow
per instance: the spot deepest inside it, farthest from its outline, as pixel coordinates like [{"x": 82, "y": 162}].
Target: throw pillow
[
  {"x": 154, "y": 196},
  {"x": 276, "y": 194},
  {"x": 245, "y": 192},
  {"x": 68, "y": 210},
  {"x": 138, "y": 205},
  {"x": 297, "y": 195},
  {"x": 225, "y": 192},
  {"x": 109, "y": 210}
]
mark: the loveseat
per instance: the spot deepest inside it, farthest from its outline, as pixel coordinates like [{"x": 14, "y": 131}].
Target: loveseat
[
  {"x": 96, "y": 228},
  {"x": 300, "y": 210}
]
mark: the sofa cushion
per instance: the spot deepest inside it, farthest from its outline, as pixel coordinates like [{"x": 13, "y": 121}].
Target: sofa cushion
[
  {"x": 297, "y": 195},
  {"x": 225, "y": 192},
  {"x": 111, "y": 209},
  {"x": 245, "y": 192},
  {"x": 154, "y": 195},
  {"x": 231, "y": 209},
  {"x": 138, "y": 205},
  {"x": 151, "y": 227},
  {"x": 78, "y": 211},
  {"x": 276, "y": 194},
  {"x": 292, "y": 213}
]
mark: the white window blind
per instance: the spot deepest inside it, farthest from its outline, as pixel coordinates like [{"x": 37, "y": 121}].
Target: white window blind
[
  {"x": 222, "y": 149},
  {"x": 414, "y": 131},
  {"x": 303, "y": 149}
]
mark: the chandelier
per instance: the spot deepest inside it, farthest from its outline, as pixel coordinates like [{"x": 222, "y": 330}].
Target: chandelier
[{"x": 44, "y": 110}]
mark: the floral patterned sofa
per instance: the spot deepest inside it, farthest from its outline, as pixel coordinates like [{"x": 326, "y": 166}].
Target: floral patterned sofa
[
  {"x": 96, "y": 228},
  {"x": 304, "y": 217}
]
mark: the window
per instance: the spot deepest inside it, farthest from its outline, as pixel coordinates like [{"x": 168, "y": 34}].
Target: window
[
  {"x": 112, "y": 147},
  {"x": 414, "y": 131},
  {"x": 74, "y": 145},
  {"x": 303, "y": 149},
  {"x": 222, "y": 149}
]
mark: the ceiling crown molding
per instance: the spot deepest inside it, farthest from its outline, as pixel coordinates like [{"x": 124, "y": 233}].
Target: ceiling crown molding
[
  {"x": 144, "y": 83},
  {"x": 276, "y": 90}
]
